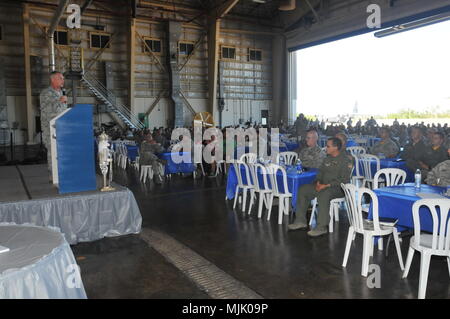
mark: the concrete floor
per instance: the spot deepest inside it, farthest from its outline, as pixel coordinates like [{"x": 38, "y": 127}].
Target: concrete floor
[{"x": 263, "y": 255}]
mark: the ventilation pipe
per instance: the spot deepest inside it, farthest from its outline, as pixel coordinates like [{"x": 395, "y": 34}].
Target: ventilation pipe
[
  {"x": 50, "y": 33},
  {"x": 287, "y": 5}
]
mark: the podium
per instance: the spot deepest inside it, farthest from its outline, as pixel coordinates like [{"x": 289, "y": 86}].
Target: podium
[{"x": 72, "y": 150}]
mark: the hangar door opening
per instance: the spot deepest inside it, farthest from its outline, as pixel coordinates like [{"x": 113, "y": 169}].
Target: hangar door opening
[{"x": 403, "y": 76}]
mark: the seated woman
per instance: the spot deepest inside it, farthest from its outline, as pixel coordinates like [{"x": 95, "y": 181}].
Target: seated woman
[{"x": 386, "y": 146}]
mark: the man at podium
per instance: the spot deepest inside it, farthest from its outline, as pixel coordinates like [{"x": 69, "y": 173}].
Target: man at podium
[{"x": 52, "y": 101}]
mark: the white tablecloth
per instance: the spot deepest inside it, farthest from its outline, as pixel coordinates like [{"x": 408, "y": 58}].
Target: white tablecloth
[{"x": 40, "y": 264}]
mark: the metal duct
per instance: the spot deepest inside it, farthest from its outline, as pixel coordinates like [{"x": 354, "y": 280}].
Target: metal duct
[
  {"x": 50, "y": 33},
  {"x": 175, "y": 87}
]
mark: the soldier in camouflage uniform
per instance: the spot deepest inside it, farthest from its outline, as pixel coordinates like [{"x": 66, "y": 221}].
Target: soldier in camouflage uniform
[
  {"x": 435, "y": 153},
  {"x": 440, "y": 174},
  {"x": 52, "y": 103},
  {"x": 147, "y": 156},
  {"x": 335, "y": 169},
  {"x": 312, "y": 155},
  {"x": 386, "y": 146}
]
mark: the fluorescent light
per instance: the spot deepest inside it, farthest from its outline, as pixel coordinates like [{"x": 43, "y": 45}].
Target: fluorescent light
[{"x": 413, "y": 25}]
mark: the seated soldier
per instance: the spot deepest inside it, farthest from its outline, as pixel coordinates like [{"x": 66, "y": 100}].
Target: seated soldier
[
  {"x": 311, "y": 155},
  {"x": 386, "y": 146},
  {"x": 434, "y": 153},
  {"x": 335, "y": 169},
  {"x": 414, "y": 150},
  {"x": 440, "y": 174},
  {"x": 147, "y": 156}
]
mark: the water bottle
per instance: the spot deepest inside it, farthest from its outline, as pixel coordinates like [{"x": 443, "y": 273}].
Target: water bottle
[
  {"x": 417, "y": 178},
  {"x": 299, "y": 166}
]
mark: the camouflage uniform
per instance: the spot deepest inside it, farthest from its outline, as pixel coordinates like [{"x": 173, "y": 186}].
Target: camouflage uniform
[
  {"x": 440, "y": 175},
  {"x": 147, "y": 156},
  {"x": 50, "y": 108},
  {"x": 333, "y": 171},
  {"x": 311, "y": 157},
  {"x": 389, "y": 148},
  {"x": 433, "y": 157}
]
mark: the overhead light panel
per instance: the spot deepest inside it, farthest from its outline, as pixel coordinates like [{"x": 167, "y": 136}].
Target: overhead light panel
[{"x": 413, "y": 25}]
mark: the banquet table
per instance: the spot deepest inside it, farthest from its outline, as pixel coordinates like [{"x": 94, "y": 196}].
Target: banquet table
[
  {"x": 395, "y": 202},
  {"x": 388, "y": 163},
  {"x": 39, "y": 265},
  {"x": 172, "y": 168},
  {"x": 294, "y": 179}
]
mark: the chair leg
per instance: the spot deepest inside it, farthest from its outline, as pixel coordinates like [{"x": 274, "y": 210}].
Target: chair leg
[
  {"x": 236, "y": 194},
  {"x": 287, "y": 207},
  {"x": 423, "y": 278},
  {"x": 270, "y": 206},
  {"x": 260, "y": 204},
  {"x": 387, "y": 245},
  {"x": 380, "y": 243},
  {"x": 331, "y": 224},
  {"x": 348, "y": 246},
  {"x": 245, "y": 199},
  {"x": 399, "y": 251},
  {"x": 252, "y": 197},
  {"x": 448, "y": 264},
  {"x": 366, "y": 254},
  {"x": 408, "y": 262},
  {"x": 336, "y": 212},
  {"x": 280, "y": 210}
]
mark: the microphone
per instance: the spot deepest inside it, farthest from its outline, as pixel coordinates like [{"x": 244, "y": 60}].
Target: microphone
[{"x": 63, "y": 91}]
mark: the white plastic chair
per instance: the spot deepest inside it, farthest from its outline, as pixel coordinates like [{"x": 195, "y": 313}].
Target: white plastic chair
[
  {"x": 334, "y": 211},
  {"x": 261, "y": 188},
  {"x": 289, "y": 158},
  {"x": 368, "y": 228},
  {"x": 437, "y": 243},
  {"x": 366, "y": 160},
  {"x": 362, "y": 142},
  {"x": 392, "y": 177},
  {"x": 245, "y": 186},
  {"x": 219, "y": 167},
  {"x": 146, "y": 172},
  {"x": 283, "y": 196},
  {"x": 356, "y": 150},
  {"x": 249, "y": 158}
]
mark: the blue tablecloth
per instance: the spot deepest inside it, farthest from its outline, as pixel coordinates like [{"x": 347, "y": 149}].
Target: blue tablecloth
[
  {"x": 351, "y": 143},
  {"x": 291, "y": 146},
  {"x": 295, "y": 180},
  {"x": 396, "y": 202},
  {"x": 172, "y": 168},
  {"x": 388, "y": 163},
  {"x": 132, "y": 152}
]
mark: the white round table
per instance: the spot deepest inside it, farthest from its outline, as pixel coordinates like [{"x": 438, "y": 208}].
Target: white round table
[{"x": 40, "y": 264}]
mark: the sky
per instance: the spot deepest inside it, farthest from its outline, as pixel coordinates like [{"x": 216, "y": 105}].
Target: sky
[{"x": 382, "y": 75}]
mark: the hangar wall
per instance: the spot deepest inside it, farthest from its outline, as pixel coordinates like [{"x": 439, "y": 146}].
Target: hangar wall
[{"x": 247, "y": 84}]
